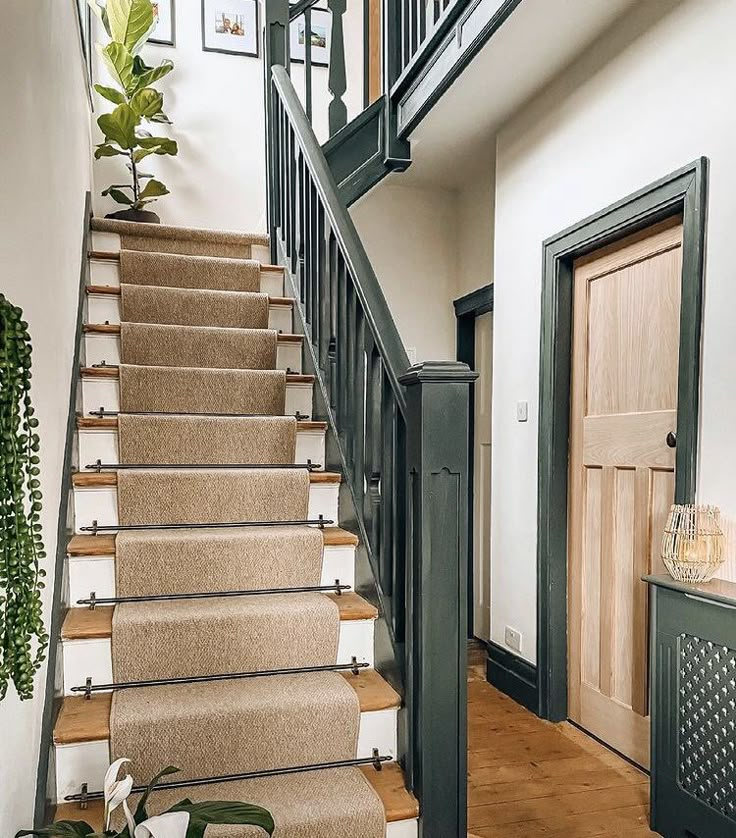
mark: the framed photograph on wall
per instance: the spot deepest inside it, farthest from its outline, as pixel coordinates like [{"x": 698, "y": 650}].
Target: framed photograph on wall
[
  {"x": 230, "y": 26},
  {"x": 164, "y": 13},
  {"x": 321, "y": 26}
]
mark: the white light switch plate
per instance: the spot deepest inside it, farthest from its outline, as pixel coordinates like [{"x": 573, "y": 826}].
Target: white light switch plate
[
  {"x": 512, "y": 638},
  {"x": 522, "y": 411}
]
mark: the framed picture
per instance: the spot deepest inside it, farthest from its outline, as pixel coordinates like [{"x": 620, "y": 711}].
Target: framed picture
[
  {"x": 230, "y": 26},
  {"x": 165, "y": 15},
  {"x": 320, "y": 36},
  {"x": 84, "y": 16}
]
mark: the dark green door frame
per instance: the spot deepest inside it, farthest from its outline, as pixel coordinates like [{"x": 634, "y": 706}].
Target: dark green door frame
[{"x": 683, "y": 191}]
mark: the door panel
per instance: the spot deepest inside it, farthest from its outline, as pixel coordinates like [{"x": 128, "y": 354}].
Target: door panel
[{"x": 626, "y": 313}]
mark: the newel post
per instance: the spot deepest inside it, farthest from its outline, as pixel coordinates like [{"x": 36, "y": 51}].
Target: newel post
[
  {"x": 276, "y": 52},
  {"x": 438, "y": 421}
]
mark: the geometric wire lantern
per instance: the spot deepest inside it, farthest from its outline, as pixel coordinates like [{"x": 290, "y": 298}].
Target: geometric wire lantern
[{"x": 692, "y": 543}]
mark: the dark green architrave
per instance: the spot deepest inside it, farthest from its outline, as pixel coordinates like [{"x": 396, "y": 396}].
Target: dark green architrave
[{"x": 684, "y": 191}]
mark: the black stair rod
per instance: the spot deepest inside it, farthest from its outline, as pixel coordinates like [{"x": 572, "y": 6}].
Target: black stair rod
[
  {"x": 376, "y": 761},
  {"x": 100, "y": 466},
  {"x": 94, "y": 600},
  {"x": 90, "y": 688},
  {"x": 95, "y": 528}
]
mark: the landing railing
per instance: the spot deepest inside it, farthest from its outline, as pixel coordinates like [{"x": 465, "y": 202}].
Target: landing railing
[
  {"x": 402, "y": 437},
  {"x": 417, "y": 20}
]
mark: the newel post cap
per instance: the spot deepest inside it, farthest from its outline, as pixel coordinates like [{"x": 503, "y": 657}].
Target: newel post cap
[{"x": 452, "y": 372}]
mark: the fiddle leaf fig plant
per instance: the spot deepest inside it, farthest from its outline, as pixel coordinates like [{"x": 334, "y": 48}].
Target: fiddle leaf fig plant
[
  {"x": 138, "y": 105},
  {"x": 23, "y": 638}
]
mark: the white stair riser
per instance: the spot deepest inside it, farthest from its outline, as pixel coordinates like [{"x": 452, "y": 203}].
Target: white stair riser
[
  {"x": 403, "y": 829},
  {"x": 107, "y": 272},
  {"x": 105, "y": 308},
  {"x": 101, "y": 505},
  {"x": 100, "y": 349},
  {"x": 97, "y": 573},
  {"x": 87, "y": 762},
  {"x": 93, "y": 658},
  {"x": 105, "y": 393},
  {"x": 103, "y": 446}
]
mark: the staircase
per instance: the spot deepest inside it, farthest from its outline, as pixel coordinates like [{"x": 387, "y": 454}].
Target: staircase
[{"x": 214, "y": 621}]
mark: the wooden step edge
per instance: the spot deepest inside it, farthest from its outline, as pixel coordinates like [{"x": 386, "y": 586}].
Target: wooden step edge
[
  {"x": 114, "y": 372},
  {"x": 109, "y": 479},
  {"x": 110, "y": 423},
  {"x": 114, "y": 291},
  {"x": 104, "y": 545},
  {"x": 389, "y": 785},
  {"x": 81, "y": 720},
  {"x": 114, "y": 329},
  {"x": 114, "y": 256},
  {"x": 96, "y": 624}
]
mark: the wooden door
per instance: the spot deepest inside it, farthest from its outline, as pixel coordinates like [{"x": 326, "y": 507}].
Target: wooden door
[
  {"x": 482, "y": 477},
  {"x": 626, "y": 323}
]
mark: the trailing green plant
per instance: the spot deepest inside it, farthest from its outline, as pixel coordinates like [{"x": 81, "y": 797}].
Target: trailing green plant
[
  {"x": 23, "y": 638},
  {"x": 184, "y": 820},
  {"x": 129, "y": 24}
]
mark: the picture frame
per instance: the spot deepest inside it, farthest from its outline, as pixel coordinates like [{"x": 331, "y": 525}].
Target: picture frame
[
  {"x": 84, "y": 19},
  {"x": 321, "y": 26},
  {"x": 165, "y": 32},
  {"x": 231, "y": 27}
]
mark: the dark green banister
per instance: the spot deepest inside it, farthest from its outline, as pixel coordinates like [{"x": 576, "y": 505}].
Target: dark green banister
[{"x": 298, "y": 9}]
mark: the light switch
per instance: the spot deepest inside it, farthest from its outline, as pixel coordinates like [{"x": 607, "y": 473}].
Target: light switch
[{"x": 522, "y": 411}]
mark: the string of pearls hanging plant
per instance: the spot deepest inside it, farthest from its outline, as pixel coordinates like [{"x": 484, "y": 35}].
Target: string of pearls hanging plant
[{"x": 23, "y": 638}]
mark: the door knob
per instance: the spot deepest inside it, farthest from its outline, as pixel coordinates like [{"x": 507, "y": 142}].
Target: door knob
[{"x": 671, "y": 439}]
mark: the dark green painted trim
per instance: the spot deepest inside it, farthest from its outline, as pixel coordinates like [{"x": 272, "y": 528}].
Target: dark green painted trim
[
  {"x": 476, "y": 302},
  {"x": 46, "y": 772},
  {"x": 432, "y": 68},
  {"x": 356, "y": 143},
  {"x": 512, "y": 675},
  {"x": 722, "y": 593},
  {"x": 684, "y": 191}
]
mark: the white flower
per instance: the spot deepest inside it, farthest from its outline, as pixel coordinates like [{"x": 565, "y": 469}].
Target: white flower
[
  {"x": 171, "y": 825},
  {"x": 116, "y": 791}
]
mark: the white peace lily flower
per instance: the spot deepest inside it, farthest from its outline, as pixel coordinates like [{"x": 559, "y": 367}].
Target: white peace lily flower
[
  {"x": 116, "y": 791},
  {"x": 171, "y": 825}
]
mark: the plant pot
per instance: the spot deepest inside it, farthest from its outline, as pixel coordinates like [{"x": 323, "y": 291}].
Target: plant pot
[{"x": 140, "y": 216}]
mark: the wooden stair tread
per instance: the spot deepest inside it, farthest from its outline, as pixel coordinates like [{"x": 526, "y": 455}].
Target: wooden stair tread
[
  {"x": 388, "y": 783},
  {"x": 104, "y": 545},
  {"x": 110, "y": 423},
  {"x": 113, "y": 372},
  {"x": 109, "y": 479},
  {"x": 96, "y": 623},
  {"x": 88, "y": 720},
  {"x": 114, "y": 329},
  {"x": 114, "y": 256},
  {"x": 114, "y": 291}
]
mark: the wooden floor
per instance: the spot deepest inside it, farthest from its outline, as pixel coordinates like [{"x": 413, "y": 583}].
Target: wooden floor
[{"x": 529, "y": 778}]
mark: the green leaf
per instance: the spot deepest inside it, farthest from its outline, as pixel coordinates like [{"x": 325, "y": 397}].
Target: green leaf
[
  {"x": 147, "y": 102},
  {"x": 119, "y": 197},
  {"x": 141, "y": 154},
  {"x": 119, "y": 63},
  {"x": 150, "y": 76},
  {"x": 140, "y": 809},
  {"x": 119, "y": 126},
  {"x": 153, "y": 189},
  {"x": 116, "y": 186},
  {"x": 60, "y": 829},
  {"x": 160, "y": 145},
  {"x": 131, "y": 22},
  {"x": 101, "y": 13},
  {"x": 112, "y": 95},
  {"x": 224, "y": 812},
  {"x": 160, "y": 117},
  {"x": 106, "y": 150}
]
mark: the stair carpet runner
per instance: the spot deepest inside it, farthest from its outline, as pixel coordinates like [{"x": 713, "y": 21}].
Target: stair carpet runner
[{"x": 196, "y": 350}]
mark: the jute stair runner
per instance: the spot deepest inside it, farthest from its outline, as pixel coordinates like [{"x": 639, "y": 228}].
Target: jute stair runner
[
  {"x": 193, "y": 341},
  {"x": 207, "y": 439},
  {"x": 192, "y": 390},
  {"x": 184, "y": 307},
  {"x": 200, "y": 272},
  {"x": 197, "y": 346}
]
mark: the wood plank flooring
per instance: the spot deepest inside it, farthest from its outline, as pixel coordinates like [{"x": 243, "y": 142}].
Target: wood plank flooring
[{"x": 533, "y": 779}]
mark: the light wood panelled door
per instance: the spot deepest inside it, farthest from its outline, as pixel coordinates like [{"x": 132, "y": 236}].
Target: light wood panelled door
[{"x": 626, "y": 324}]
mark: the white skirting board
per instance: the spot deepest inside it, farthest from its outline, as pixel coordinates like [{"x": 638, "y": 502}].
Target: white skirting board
[
  {"x": 101, "y": 505},
  {"x": 105, "y": 393}
]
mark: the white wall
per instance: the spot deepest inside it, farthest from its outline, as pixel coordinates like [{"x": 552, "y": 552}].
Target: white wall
[
  {"x": 475, "y": 223},
  {"x": 410, "y": 235},
  {"x": 216, "y": 102},
  {"x": 45, "y": 172},
  {"x": 649, "y": 97}
]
